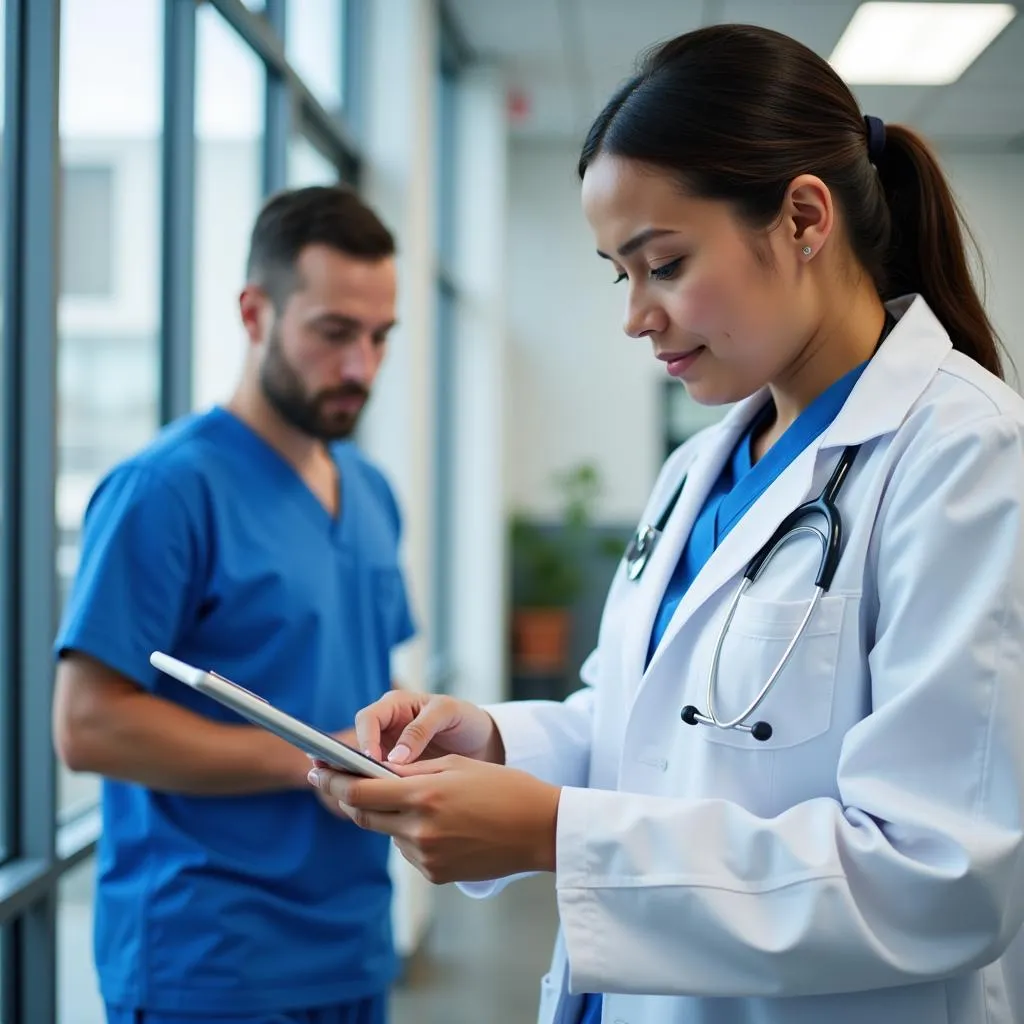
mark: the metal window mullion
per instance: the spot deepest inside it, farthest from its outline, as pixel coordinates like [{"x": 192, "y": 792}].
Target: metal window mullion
[
  {"x": 354, "y": 68},
  {"x": 277, "y": 116},
  {"x": 178, "y": 174},
  {"x": 9, "y": 425},
  {"x": 25, "y": 881},
  {"x": 346, "y": 160},
  {"x": 8, "y": 479},
  {"x": 259, "y": 34},
  {"x": 32, "y": 398},
  {"x": 456, "y": 53}
]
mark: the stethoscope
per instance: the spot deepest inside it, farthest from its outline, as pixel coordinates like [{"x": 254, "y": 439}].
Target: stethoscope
[
  {"x": 831, "y": 538},
  {"x": 824, "y": 505}
]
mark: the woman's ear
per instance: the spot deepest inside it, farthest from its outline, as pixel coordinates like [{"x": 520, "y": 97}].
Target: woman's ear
[{"x": 808, "y": 214}]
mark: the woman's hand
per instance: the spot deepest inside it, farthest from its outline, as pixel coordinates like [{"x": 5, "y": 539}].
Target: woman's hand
[
  {"x": 329, "y": 804},
  {"x": 455, "y": 819},
  {"x": 404, "y": 727}
]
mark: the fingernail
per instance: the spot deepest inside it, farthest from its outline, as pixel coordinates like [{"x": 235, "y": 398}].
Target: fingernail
[
  {"x": 314, "y": 776},
  {"x": 400, "y": 754}
]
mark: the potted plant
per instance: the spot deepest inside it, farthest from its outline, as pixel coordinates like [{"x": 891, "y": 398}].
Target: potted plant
[{"x": 549, "y": 568}]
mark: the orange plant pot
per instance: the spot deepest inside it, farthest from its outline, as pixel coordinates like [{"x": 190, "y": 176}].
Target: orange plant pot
[{"x": 541, "y": 639}]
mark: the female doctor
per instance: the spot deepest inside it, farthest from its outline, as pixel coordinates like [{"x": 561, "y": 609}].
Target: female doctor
[{"x": 849, "y": 848}]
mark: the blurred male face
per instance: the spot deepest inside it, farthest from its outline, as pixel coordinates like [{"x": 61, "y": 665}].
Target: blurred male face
[{"x": 325, "y": 346}]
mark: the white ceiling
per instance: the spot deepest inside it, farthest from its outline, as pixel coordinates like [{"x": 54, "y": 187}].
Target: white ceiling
[{"x": 567, "y": 56}]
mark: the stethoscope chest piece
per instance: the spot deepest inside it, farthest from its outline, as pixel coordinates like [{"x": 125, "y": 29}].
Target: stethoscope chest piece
[{"x": 639, "y": 551}]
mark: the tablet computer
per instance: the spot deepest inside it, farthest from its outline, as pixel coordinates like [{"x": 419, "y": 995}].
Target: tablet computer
[{"x": 255, "y": 709}]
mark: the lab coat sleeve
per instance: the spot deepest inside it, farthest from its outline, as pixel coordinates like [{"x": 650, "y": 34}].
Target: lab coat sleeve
[
  {"x": 916, "y": 873},
  {"x": 549, "y": 739}
]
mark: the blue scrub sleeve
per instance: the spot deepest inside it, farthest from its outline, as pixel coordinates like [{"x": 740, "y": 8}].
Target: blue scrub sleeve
[{"x": 139, "y": 577}]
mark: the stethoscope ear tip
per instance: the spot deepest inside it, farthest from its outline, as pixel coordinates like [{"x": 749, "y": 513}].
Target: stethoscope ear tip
[{"x": 761, "y": 731}]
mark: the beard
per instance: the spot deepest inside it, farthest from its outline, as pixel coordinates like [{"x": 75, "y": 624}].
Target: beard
[{"x": 312, "y": 414}]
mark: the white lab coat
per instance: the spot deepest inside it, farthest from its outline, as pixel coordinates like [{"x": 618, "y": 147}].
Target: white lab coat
[{"x": 866, "y": 864}]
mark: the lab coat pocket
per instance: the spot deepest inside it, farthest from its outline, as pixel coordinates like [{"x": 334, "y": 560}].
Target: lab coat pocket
[{"x": 799, "y": 704}]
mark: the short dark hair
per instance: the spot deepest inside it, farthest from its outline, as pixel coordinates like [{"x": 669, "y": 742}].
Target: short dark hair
[
  {"x": 736, "y": 112},
  {"x": 331, "y": 215}
]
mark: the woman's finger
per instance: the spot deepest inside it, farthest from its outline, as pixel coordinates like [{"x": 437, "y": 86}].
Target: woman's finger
[
  {"x": 363, "y": 794},
  {"x": 381, "y": 715},
  {"x": 432, "y": 765},
  {"x": 373, "y": 821},
  {"x": 437, "y": 715}
]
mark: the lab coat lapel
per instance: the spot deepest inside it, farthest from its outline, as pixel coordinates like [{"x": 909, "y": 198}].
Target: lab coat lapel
[{"x": 700, "y": 477}]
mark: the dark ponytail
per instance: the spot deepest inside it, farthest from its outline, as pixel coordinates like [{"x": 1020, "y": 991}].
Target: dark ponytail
[
  {"x": 736, "y": 112},
  {"x": 927, "y": 253}
]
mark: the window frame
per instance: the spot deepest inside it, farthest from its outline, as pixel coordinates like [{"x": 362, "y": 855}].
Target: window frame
[
  {"x": 36, "y": 849},
  {"x": 453, "y": 56}
]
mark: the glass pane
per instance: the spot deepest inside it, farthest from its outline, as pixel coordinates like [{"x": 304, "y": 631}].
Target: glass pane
[
  {"x": 314, "y": 42},
  {"x": 107, "y": 355},
  {"x": 5, "y": 783},
  {"x": 230, "y": 102},
  {"x": 3, "y": 973},
  {"x": 307, "y": 165},
  {"x": 78, "y": 997}
]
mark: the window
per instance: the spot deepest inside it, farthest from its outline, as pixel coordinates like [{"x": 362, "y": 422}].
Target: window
[
  {"x": 107, "y": 350},
  {"x": 87, "y": 231},
  {"x": 101, "y": 393},
  {"x": 307, "y": 165},
  {"x": 78, "y": 994},
  {"x": 314, "y": 40},
  {"x": 4, "y": 929},
  {"x": 5, "y": 693},
  {"x": 230, "y": 91}
]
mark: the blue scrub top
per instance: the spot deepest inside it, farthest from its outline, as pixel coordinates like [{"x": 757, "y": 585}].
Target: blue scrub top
[
  {"x": 739, "y": 485},
  {"x": 209, "y": 546}
]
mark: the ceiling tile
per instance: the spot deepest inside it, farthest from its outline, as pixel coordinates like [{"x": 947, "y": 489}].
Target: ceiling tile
[
  {"x": 816, "y": 23},
  {"x": 494, "y": 28},
  {"x": 616, "y": 33}
]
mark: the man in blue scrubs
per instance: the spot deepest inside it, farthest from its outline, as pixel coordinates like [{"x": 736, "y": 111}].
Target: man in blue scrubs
[{"x": 256, "y": 541}]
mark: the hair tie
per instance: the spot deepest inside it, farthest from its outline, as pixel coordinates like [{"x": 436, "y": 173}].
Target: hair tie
[{"x": 876, "y": 138}]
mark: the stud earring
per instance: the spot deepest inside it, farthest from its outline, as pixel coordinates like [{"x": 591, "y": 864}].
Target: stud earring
[{"x": 807, "y": 250}]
